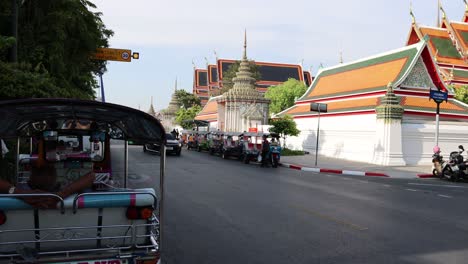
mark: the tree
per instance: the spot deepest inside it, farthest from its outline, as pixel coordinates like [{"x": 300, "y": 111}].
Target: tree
[
  {"x": 55, "y": 40},
  {"x": 187, "y": 114},
  {"x": 231, "y": 73},
  {"x": 461, "y": 94},
  {"x": 186, "y": 99},
  {"x": 284, "y": 126},
  {"x": 283, "y": 96}
]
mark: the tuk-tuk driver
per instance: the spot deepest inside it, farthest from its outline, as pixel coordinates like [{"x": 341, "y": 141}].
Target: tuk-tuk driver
[
  {"x": 44, "y": 180},
  {"x": 265, "y": 151}
]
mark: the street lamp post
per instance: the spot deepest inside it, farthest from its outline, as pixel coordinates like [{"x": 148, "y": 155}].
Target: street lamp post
[
  {"x": 318, "y": 107},
  {"x": 103, "y": 97}
]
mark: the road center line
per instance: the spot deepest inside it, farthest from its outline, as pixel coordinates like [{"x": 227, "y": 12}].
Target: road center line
[
  {"x": 438, "y": 185},
  {"x": 445, "y": 196},
  {"x": 331, "y": 218}
]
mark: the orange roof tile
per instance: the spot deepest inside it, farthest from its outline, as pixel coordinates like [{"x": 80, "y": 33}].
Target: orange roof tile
[
  {"x": 461, "y": 31},
  {"x": 207, "y": 117},
  {"x": 442, "y": 55},
  {"x": 360, "y": 103},
  {"x": 210, "y": 107},
  {"x": 420, "y": 102},
  {"x": 376, "y": 75}
]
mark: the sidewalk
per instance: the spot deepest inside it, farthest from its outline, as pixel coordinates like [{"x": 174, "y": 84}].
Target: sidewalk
[{"x": 341, "y": 166}]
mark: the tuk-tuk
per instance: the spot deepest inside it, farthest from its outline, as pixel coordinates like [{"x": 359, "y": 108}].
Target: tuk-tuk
[
  {"x": 252, "y": 146},
  {"x": 202, "y": 141},
  {"x": 232, "y": 145},
  {"x": 215, "y": 142},
  {"x": 107, "y": 223},
  {"x": 184, "y": 135}
]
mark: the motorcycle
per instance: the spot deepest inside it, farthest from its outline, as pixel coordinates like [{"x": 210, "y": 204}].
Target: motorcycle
[
  {"x": 456, "y": 167},
  {"x": 438, "y": 163},
  {"x": 275, "y": 154}
]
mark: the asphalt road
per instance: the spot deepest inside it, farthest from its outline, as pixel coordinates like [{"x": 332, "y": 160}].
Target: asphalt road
[{"x": 223, "y": 211}]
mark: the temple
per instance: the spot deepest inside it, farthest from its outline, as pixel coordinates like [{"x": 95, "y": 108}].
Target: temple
[
  {"x": 167, "y": 116},
  {"x": 448, "y": 43},
  {"x": 208, "y": 82},
  {"x": 242, "y": 107},
  {"x": 379, "y": 109}
]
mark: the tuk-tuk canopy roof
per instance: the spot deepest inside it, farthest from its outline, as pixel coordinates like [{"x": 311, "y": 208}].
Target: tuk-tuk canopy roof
[{"x": 17, "y": 118}]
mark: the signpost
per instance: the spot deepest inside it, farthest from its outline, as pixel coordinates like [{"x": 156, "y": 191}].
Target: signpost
[
  {"x": 438, "y": 97},
  {"x": 318, "y": 107},
  {"x": 124, "y": 55}
]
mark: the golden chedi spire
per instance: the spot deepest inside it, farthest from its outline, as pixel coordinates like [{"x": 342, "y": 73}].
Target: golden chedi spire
[{"x": 244, "y": 83}]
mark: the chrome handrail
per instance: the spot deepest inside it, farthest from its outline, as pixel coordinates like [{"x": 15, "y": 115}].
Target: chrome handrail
[
  {"x": 111, "y": 193},
  {"x": 18, "y": 195}
]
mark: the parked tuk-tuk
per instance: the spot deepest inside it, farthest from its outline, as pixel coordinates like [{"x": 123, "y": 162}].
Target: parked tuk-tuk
[
  {"x": 202, "y": 141},
  {"x": 215, "y": 142},
  {"x": 232, "y": 145},
  {"x": 252, "y": 146},
  {"x": 107, "y": 223}
]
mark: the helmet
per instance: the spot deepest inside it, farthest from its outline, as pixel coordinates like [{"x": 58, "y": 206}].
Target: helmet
[
  {"x": 436, "y": 149},
  {"x": 461, "y": 147}
]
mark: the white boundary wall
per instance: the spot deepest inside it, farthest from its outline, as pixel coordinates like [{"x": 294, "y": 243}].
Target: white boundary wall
[
  {"x": 419, "y": 138},
  {"x": 345, "y": 137},
  {"x": 354, "y": 137}
]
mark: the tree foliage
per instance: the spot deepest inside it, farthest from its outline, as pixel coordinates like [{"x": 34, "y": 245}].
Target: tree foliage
[
  {"x": 284, "y": 126},
  {"x": 231, "y": 74},
  {"x": 461, "y": 94},
  {"x": 184, "y": 114},
  {"x": 283, "y": 96},
  {"x": 186, "y": 99},
  {"x": 55, "y": 40}
]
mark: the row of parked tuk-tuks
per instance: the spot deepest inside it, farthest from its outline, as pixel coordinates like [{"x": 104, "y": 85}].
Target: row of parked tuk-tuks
[{"x": 245, "y": 146}]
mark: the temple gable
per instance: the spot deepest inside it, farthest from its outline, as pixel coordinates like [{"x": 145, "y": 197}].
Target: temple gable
[{"x": 419, "y": 77}]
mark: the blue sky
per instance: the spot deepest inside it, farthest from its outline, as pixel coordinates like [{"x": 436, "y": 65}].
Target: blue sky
[{"x": 169, "y": 35}]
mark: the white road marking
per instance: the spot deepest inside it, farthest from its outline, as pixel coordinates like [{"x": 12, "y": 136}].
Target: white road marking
[
  {"x": 445, "y": 196},
  {"x": 386, "y": 185},
  {"x": 438, "y": 185},
  {"x": 412, "y": 190}
]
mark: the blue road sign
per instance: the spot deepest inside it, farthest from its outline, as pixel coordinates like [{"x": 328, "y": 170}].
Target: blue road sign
[{"x": 438, "y": 96}]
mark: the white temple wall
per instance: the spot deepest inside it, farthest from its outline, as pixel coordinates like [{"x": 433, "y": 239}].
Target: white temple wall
[
  {"x": 345, "y": 137},
  {"x": 419, "y": 138},
  {"x": 354, "y": 137}
]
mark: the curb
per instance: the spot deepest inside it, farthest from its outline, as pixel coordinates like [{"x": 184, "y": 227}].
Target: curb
[
  {"x": 345, "y": 172},
  {"x": 425, "y": 176}
]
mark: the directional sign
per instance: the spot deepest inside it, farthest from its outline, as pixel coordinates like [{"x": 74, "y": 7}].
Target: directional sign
[
  {"x": 438, "y": 96},
  {"x": 113, "y": 54}
]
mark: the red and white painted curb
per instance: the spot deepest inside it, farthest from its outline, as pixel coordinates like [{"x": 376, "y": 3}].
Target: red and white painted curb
[
  {"x": 425, "y": 176},
  {"x": 346, "y": 172}
]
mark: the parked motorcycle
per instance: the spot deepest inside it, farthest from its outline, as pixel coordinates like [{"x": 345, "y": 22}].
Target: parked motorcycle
[
  {"x": 438, "y": 163},
  {"x": 275, "y": 155},
  {"x": 456, "y": 167}
]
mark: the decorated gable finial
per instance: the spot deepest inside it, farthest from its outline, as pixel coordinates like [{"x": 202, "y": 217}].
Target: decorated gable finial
[
  {"x": 413, "y": 19},
  {"x": 444, "y": 16}
]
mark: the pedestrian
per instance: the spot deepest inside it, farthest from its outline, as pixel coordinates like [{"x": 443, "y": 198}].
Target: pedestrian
[{"x": 265, "y": 151}]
